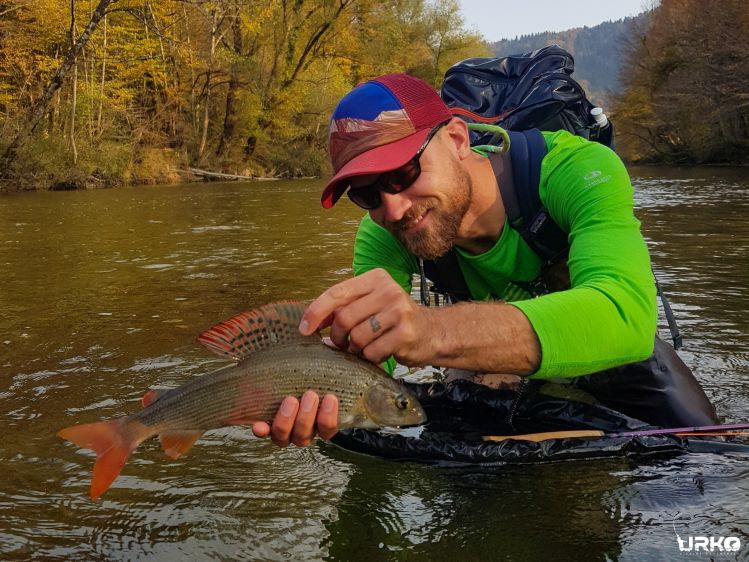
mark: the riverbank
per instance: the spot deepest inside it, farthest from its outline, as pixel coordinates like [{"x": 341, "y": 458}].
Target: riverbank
[{"x": 48, "y": 168}]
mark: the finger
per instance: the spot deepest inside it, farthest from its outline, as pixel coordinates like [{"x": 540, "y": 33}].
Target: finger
[
  {"x": 304, "y": 426},
  {"x": 261, "y": 429},
  {"x": 369, "y": 329},
  {"x": 389, "y": 344},
  {"x": 283, "y": 423},
  {"x": 340, "y": 295},
  {"x": 365, "y": 313},
  {"x": 329, "y": 342},
  {"x": 327, "y": 417}
]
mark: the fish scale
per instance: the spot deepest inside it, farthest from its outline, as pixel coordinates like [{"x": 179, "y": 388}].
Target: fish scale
[{"x": 282, "y": 371}]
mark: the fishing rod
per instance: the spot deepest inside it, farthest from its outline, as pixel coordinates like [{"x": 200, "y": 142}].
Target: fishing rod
[{"x": 703, "y": 430}]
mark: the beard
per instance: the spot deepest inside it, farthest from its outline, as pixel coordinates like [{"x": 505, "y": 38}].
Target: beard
[{"x": 440, "y": 234}]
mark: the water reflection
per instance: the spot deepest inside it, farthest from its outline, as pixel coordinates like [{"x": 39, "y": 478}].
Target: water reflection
[
  {"x": 514, "y": 513},
  {"x": 104, "y": 292}
]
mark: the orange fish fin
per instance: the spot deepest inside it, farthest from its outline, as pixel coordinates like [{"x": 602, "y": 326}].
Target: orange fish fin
[
  {"x": 177, "y": 443},
  {"x": 152, "y": 396},
  {"x": 113, "y": 441},
  {"x": 248, "y": 332}
]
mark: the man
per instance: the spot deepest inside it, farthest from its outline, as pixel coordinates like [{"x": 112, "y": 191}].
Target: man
[{"x": 399, "y": 153}]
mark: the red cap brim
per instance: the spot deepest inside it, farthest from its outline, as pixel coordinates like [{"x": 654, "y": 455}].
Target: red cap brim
[{"x": 375, "y": 161}]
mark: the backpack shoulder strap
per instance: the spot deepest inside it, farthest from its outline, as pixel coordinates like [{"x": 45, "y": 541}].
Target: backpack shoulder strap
[
  {"x": 446, "y": 276},
  {"x": 522, "y": 200},
  {"x": 518, "y": 176}
]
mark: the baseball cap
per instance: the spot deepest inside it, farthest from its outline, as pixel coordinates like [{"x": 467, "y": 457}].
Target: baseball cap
[{"x": 379, "y": 126}]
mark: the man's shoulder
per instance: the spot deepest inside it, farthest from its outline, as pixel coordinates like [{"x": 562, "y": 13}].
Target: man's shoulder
[
  {"x": 563, "y": 145},
  {"x": 370, "y": 229}
]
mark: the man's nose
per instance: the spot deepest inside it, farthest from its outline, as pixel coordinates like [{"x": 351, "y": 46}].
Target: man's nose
[{"x": 394, "y": 206}]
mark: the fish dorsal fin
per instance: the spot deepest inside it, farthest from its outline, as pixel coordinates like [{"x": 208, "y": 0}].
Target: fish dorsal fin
[{"x": 254, "y": 330}]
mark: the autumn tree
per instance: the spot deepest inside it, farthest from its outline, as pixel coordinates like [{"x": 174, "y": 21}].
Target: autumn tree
[
  {"x": 686, "y": 98},
  {"x": 239, "y": 86}
]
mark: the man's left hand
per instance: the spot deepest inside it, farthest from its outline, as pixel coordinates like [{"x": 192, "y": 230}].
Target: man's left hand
[{"x": 371, "y": 315}]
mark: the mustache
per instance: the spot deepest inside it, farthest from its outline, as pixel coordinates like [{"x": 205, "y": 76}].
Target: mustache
[{"x": 408, "y": 218}]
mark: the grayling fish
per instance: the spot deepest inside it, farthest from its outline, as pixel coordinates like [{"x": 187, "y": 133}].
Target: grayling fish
[{"x": 274, "y": 361}]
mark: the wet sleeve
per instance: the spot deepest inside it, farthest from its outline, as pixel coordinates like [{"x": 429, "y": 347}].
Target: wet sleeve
[{"x": 608, "y": 316}]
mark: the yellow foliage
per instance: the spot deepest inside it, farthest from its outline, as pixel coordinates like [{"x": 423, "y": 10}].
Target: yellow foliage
[{"x": 235, "y": 84}]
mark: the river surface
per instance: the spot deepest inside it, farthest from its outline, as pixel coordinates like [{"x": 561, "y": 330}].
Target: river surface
[{"x": 102, "y": 296}]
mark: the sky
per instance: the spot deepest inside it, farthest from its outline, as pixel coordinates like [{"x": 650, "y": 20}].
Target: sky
[{"x": 504, "y": 19}]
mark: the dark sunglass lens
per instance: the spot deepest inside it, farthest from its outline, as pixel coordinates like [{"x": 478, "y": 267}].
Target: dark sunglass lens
[
  {"x": 403, "y": 177},
  {"x": 366, "y": 197}
]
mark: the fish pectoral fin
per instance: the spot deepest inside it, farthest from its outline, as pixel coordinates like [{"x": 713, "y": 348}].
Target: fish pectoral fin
[
  {"x": 152, "y": 396},
  {"x": 177, "y": 443}
]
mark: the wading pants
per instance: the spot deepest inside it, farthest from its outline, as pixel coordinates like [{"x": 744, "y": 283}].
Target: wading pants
[{"x": 660, "y": 390}]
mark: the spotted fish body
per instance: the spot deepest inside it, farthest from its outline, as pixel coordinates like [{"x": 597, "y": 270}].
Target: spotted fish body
[
  {"x": 273, "y": 361},
  {"x": 253, "y": 390}
]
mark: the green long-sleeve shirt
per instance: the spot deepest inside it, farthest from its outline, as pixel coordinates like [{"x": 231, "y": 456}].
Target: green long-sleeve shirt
[{"x": 608, "y": 316}]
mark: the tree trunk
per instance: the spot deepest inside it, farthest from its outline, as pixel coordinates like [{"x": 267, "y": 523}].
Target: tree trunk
[
  {"x": 39, "y": 108},
  {"x": 74, "y": 95},
  {"x": 208, "y": 76},
  {"x": 230, "y": 118},
  {"x": 53, "y": 111},
  {"x": 101, "y": 83}
]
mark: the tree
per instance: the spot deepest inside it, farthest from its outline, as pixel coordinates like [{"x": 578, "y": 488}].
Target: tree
[
  {"x": 39, "y": 108},
  {"x": 686, "y": 99}
]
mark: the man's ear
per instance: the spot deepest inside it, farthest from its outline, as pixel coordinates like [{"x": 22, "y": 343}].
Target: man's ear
[{"x": 457, "y": 134}]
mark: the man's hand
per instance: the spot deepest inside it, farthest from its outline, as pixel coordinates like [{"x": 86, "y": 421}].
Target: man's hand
[
  {"x": 371, "y": 315},
  {"x": 298, "y": 421}
]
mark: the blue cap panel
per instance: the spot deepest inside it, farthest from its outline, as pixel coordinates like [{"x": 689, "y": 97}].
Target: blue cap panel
[{"x": 366, "y": 102}]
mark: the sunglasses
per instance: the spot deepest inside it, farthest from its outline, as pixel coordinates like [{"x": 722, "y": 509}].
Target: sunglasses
[{"x": 369, "y": 196}]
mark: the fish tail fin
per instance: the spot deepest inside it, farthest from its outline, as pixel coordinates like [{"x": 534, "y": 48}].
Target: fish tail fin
[{"x": 113, "y": 441}]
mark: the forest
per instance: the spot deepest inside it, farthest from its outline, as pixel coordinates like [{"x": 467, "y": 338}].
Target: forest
[
  {"x": 598, "y": 52},
  {"x": 97, "y": 93},
  {"x": 686, "y": 85}
]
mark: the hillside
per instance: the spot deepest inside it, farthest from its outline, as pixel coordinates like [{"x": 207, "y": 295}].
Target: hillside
[{"x": 598, "y": 53}]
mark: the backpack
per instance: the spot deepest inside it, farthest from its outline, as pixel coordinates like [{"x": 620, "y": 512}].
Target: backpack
[{"x": 523, "y": 94}]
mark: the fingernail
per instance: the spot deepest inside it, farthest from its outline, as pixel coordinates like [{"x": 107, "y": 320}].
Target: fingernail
[
  {"x": 303, "y": 327},
  {"x": 308, "y": 402},
  {"x": 287, "y": 407}
]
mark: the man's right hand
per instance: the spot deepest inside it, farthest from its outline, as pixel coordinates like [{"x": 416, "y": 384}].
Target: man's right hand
[{"x": 298, "y": 421}]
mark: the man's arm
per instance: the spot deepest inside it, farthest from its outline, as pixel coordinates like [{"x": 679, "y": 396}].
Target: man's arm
[
  {"x": 371, "y": 315},
  {"x": 608, "y": 317}
]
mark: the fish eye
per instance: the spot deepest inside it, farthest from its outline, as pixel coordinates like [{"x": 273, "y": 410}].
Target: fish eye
[{"x": 401, "y": 401}]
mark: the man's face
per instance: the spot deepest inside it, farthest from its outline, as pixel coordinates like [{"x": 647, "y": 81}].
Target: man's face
[{"x": 426, "y": 217}]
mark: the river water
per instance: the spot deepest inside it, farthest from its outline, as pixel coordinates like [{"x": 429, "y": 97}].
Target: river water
[{"x": 103, "y": 294}]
